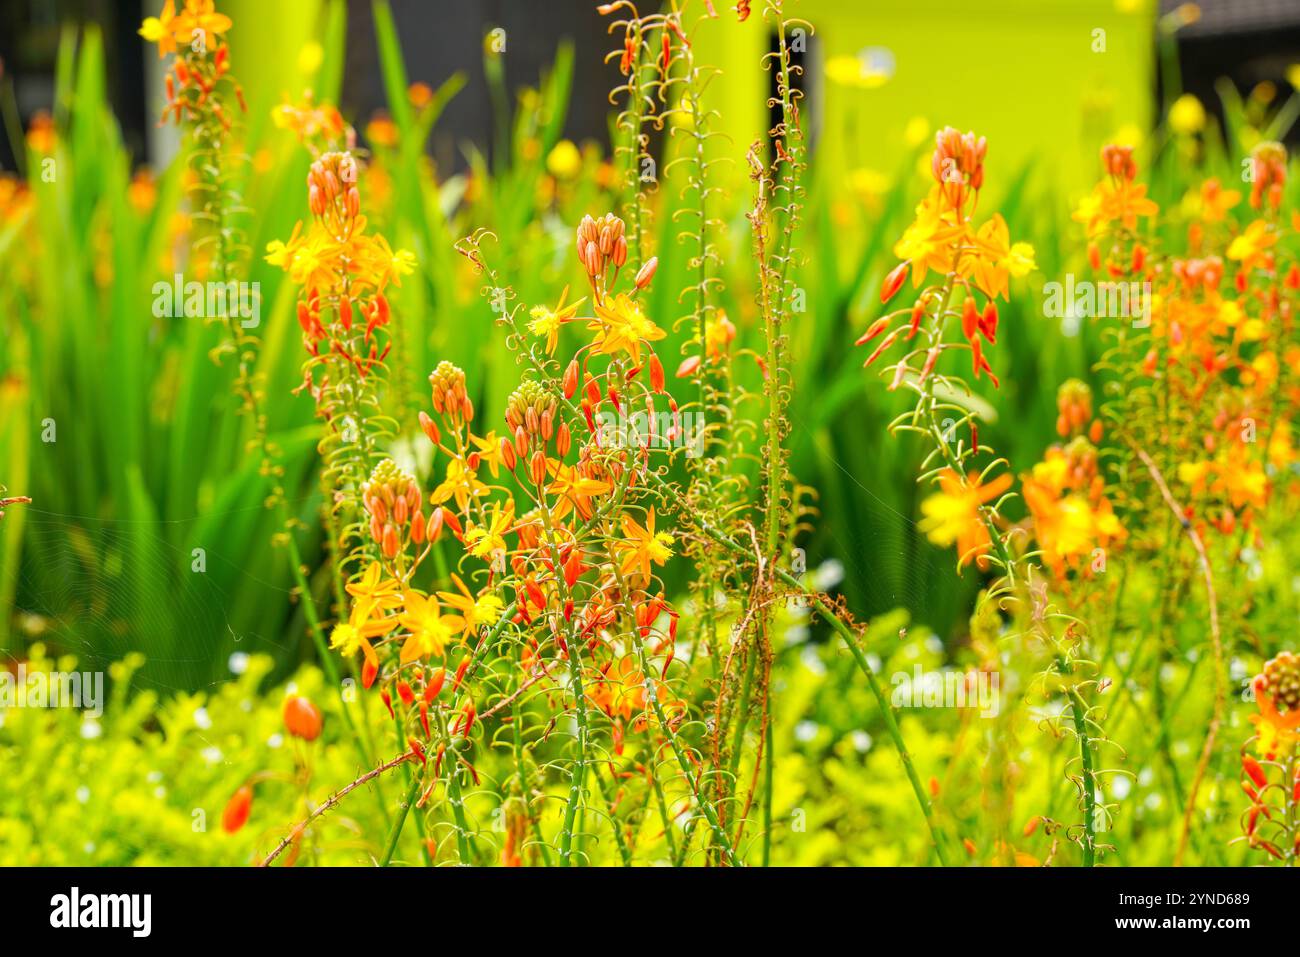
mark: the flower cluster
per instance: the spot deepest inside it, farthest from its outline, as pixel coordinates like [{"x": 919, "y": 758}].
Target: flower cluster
[
  {"x": 975, "y": 263},
  {"x": 201, "y": 59},
  {"x": 1271, "y": 775}
]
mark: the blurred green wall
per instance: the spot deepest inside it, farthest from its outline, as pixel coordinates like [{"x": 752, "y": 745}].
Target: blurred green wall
[{"x": 1021, "y": 72}]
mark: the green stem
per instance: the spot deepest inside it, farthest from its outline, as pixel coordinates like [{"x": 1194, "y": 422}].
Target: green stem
[
  {"x": 1089, "y": 778},
  {"x": 710, "y": 814},
  {"x": 394, "y": 832},
  {"x": 623, "y": 850}
]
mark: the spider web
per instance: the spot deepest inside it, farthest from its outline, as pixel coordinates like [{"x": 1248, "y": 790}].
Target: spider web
[{"x": 99, "y": 595}]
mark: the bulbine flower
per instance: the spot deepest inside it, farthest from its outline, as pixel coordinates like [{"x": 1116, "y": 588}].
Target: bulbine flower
[
  {"x": 642, "y": 545},
  {"x": 952, "y": 515},
  {"x": 429, "y": 629},
  {"x": 622, "y": 326}
]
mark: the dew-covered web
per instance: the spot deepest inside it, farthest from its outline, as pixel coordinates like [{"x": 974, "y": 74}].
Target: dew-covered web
[
  {"x": 894, "y": 560},
  {"x": 102, "y": 588}
]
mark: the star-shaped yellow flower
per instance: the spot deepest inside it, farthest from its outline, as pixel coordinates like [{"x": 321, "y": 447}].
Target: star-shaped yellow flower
[
  {"x": 374, "y": 588},
  {"x": 621, "y": 326},
  {"x": 474, "y": 612},
  {"x": 485, "y": 541},
  {"x": 574, "y": 490},
  {"x": 461, "y": 483},
  {"x": 430, "y": 629},
  {"x": 643, "y": 545},
  {"x": 547, "y": 322},
  {"x": 489, "y": 451}
]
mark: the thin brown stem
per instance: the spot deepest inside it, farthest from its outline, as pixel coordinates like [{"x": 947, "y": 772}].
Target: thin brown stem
[{"x": 330, "y": 803}]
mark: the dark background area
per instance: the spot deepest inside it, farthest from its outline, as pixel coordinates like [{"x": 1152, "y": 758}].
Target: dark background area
[
  {"x": 1246, "y": 40},
  {"x": 439, "y": 38}
]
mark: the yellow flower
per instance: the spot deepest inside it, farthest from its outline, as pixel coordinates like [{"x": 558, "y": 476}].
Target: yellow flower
[
  {"x": 643, "y": 545},
  {"x": 953, "y": 513},
  {"x": 995, "y": 258},
  {"x": 487, "y": 540},
  {"x": 160, "y": 29},
  {"x": 461, "y": 483},
  {"x": 474, "y": 612},
  {"x": 928, "y": 242},
  {"x": 1069, "y": 527},
  {"x": 489, "y": 450},
  {"x": 374, "y": 588},
  {"x": 310, "y": 57},
  {"x": 574, "y": 490},
  {"x": 564, "y": 160},
  {"x": 1247, "y": 484},
  {"x": 916, "y": 132},
  {"x": 1187, "y": 116},
  {"x": 547, "y": 322},
  {"x": 354, "y": 634},
  {"x": 430, "y": 629},
  {"x": 200, "y": 16},
  {"x": 622, "y": 327},
  {"x": 1249, "y": 246},
  {"x": 868, "y": 71},
  {"x": 1114, "y": 202}
]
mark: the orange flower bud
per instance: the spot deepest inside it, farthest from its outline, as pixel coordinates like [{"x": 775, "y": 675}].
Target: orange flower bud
[
  {"x": 885, "y": 344},
  {"x": 647, "y": 272},
  {"x": 236, "y": 811},
  {"x": 989, "y": 322},
  {"x": 452, "y": 522},
  {"x": 405, "y": 693},
  {"x": 430, "y": 428},
  {"x": 434, "y": 527},
  {"x": 1254, "y": 771},
  {"x": 688, "y": 366},
  {"x": 434, "y": 684},
  {"x": 570, "y": 381},
  {"x": 893, "y": 281},
  {"x": 873, "y": 330},
  {"x": 656, "y": 374},
  {"x": 391, "y": 543},
  {"x": 969, "y": 319},
  {"x": 302, "y": 719}
]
